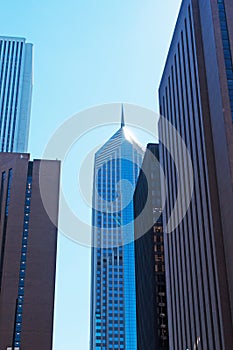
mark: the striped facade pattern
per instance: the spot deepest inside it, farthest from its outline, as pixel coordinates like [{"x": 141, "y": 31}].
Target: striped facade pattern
[
  {"x": 197, "y": 276},
  {"x": 15, "y": 93}
]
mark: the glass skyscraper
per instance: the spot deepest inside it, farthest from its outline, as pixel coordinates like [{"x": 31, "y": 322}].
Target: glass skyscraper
[
  {"x": 113, "y": 304},
  {"x": 15, "y": 93}
]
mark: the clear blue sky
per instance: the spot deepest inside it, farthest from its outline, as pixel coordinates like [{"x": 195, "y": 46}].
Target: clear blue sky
[{"x": 87, "y": 52}]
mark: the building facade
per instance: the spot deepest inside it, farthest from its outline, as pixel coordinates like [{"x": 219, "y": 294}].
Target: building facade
[
  {"x": 113, "y": 295},
  {"x": 15, "y": 93},
  {"x": 28, "y": 241},
  {"x": 195, "y": 95},
  {"x": 152, "y": 327}
]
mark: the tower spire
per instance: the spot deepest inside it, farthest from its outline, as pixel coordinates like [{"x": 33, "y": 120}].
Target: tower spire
[{"x": 122, "y": 116}]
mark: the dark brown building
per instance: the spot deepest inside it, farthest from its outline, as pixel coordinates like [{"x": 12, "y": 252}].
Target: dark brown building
[
  {"x": 196, "y": 97},
  {"x": 152, "y": 328},
  {"x": 28, "y": 241}
]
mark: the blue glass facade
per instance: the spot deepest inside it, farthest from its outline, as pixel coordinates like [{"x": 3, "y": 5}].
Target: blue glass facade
[
  {"x": 113, "y": 311},
  {"x": 227, "y": 50}
]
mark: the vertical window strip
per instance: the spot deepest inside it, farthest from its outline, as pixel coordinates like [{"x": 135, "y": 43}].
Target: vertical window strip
[
  {"x": 226, "y": 50},
  {"x": 7, "y": 203},
  {"x": 23, "y": 261},
  {"x": 183, "y": 279},
  {"x": 8, "y": 192},
  {"x": 172, "y": 238},
  {"x": 197, "y": 129},
  {"x": 12, "y": 93},
  {"x": 2, "y": 190},
  {"x": 8, "y": 94},
  {"x": 1, "y": 47},
  {"x": 204, "y": 208},
  {"x": 194, "y": 204},
  {"x": 2, "y": 57},
  {"x": 187, "y": 135},
  {"x": 4, "y": 84},
  {"x": 175, "y": 122},
  {"x": 172, "y": 334}
]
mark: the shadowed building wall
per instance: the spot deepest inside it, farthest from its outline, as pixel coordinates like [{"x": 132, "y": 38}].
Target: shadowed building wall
[
  {"x": 152, "y": 328},
  {"x": 196, "y": 97}
]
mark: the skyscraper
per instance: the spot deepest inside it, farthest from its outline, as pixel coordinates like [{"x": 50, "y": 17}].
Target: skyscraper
[
  {"x": 28, "y": 241},
  {"x": 196, "y": 97},
  {"x": 152, "y": 328},
  {"x": 15, "y": 93},
  {"x": 113, "y": 303}
]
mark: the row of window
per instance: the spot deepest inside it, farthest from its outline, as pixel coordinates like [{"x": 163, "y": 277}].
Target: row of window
[{"x": 110, "y": 346}]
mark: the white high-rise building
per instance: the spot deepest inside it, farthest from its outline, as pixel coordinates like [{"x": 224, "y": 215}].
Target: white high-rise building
[{"x": 16, "y": 62}]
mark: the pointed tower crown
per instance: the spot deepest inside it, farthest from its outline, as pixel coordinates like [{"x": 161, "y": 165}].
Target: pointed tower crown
[
  {"x": 122, "y": 136},
  {"x": 122, "y": 116}
]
